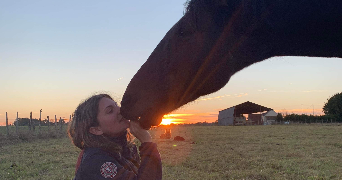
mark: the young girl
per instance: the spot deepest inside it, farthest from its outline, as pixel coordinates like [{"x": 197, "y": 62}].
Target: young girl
[{"x": 98, "y": 129}]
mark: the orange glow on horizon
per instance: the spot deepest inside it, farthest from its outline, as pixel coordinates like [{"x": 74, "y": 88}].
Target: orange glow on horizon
[
  {"x": 166, "y": 122},
  {"x": 170, "y": 119},
  {"x": 176, "y": 115}
]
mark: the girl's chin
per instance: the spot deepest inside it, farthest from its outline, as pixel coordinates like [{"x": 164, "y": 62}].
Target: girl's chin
[{"x": 126, "y": 122}]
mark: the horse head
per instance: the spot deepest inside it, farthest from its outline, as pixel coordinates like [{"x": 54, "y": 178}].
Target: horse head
[{"x": 217, "y": 38}]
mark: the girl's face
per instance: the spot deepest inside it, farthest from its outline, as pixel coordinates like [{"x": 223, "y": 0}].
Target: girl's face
[{"x": 110, "y": 120}]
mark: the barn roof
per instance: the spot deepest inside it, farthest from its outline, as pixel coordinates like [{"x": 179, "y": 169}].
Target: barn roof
[{"x": 249, "y": 108}]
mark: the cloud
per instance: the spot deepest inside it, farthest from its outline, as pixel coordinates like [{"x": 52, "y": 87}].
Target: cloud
[
  {"x": 220, "y": 97},
  {"x": 241, "y": 95},
  {"x": 310, "y": 91},
  {"x": 176, "y": 115},
  {"x": 211, "y": 98},
  {"x": 281, "y": 91},
  {"x": 210, "y": 116},
  {"x": 307, "y": 91},
  {"x": 219, "y": 109},
  {"x": 119, "y": 79}
]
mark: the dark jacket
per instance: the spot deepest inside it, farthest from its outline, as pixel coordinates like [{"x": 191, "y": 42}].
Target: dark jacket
[{"x": 95, "y": 163}]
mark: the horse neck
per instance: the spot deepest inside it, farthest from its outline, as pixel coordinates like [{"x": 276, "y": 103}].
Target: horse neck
[{"x": 306, "y": 28}]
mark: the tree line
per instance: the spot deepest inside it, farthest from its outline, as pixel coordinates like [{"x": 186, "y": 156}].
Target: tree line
[
  {"x": 303, "y": 118},
  {"x": 332, "y": 110}
]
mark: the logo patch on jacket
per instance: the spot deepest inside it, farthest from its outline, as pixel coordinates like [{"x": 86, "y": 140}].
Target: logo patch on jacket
[{"x": 108, "y": 170}]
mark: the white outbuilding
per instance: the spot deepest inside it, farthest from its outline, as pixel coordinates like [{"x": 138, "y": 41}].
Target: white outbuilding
[{"x": 269, "y": 117}]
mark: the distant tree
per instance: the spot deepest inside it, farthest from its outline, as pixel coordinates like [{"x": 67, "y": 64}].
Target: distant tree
[
  {"x": 216, "y": 122},
  {"x": 333, "y": 108},
  {"x": 279, "y": 117}
]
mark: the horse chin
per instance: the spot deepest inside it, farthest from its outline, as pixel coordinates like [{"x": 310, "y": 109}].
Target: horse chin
[{"x": 152, "y": 119}]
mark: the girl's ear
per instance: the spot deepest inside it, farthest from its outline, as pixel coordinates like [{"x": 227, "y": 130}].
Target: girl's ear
[{"x": 95, "y": 130}]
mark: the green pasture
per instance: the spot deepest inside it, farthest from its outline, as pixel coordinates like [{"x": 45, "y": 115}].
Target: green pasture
[
  {"x": 208, "y": 152},
  {"x": 25, "y": 129}
]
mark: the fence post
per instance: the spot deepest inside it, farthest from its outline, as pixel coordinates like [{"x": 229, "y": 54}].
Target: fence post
[
  {"x": 30, "y": 123},
  {"x": 40, "y": 119},
  {"x": 7, "y": 125},
  {"x": 61, "y": 124},
  {"x": 33, "y": 124},
  {"x": 56, "y": 123},
  {"x": 48, "y": 123},
  {"x": 17, "y": 124}
]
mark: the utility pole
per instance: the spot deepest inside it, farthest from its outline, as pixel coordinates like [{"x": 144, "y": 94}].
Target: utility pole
[
  {"x": 302, "y": 108},
  {"x": 313, "y": 110}
]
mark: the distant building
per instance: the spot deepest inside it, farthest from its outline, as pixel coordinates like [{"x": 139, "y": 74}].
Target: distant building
[
  {"x": 234, "y": 115},
  {"x": 226, "y": 117},
  {"x": 270, "y": 117}
]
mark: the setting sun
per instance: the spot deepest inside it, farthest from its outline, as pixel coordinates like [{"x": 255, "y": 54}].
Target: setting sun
[
  {"x": 166, "y": 121},
  {"x": 173, "y": 119}
]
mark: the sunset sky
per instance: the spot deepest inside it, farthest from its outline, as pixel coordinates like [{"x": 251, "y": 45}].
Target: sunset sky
[{"x": 53, "y": 54}]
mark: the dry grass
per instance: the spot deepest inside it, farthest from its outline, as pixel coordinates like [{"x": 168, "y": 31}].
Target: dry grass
[
  {"x": 213, "y": 152},
  {"x": 259, "y": 152}
]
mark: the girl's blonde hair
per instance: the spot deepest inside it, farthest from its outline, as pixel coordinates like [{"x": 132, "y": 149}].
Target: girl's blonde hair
[{"x": 84, "y": 117}]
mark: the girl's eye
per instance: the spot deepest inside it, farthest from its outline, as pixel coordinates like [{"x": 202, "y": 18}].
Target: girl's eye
[
  {"x": 120, "y": 117},
  {"x": 110, "y": 111}
]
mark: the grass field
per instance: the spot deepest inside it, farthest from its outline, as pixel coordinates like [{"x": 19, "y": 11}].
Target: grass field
[{"x": 208, "y": 152}]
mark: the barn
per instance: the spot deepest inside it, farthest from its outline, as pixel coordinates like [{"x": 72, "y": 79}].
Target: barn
[{"x": 234, "y": 115}]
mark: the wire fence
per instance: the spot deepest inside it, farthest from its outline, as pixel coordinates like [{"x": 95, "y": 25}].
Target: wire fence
[{"x": 28, "y": 128}]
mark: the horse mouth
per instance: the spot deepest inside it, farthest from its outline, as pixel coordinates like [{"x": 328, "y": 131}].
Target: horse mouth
[{"x": 150, "y": 119}]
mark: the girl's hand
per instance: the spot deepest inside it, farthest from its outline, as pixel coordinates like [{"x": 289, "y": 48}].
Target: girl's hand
[{"x": 140, "y": 133}]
